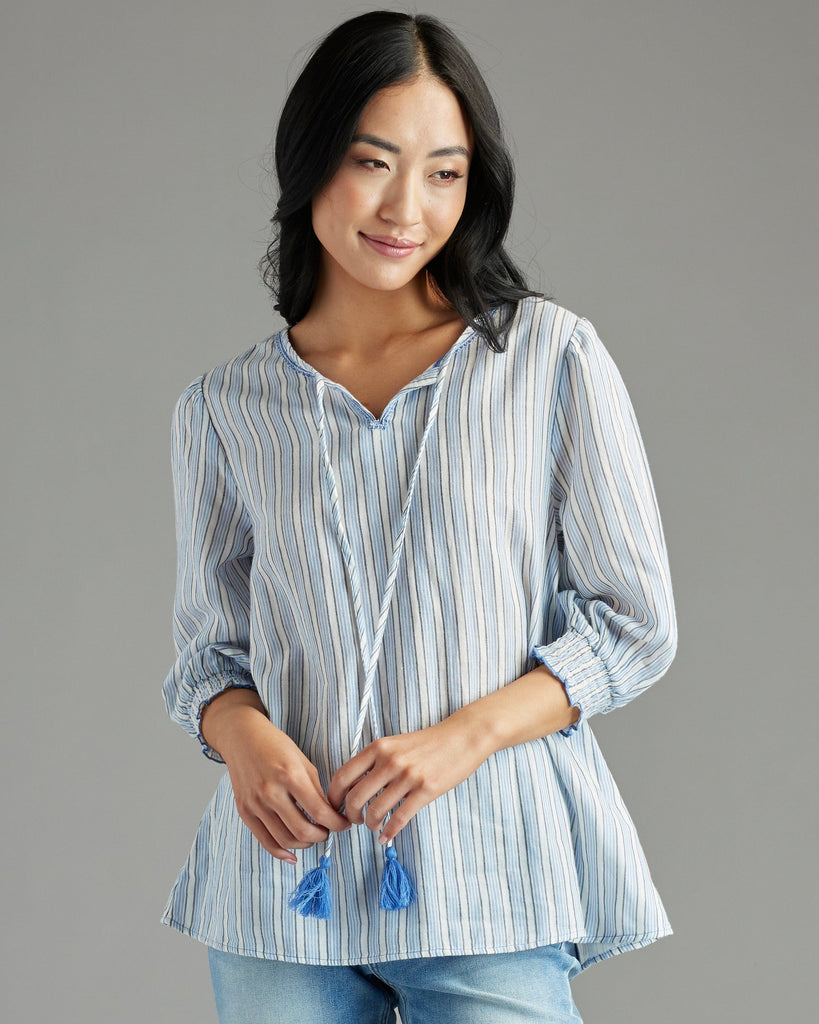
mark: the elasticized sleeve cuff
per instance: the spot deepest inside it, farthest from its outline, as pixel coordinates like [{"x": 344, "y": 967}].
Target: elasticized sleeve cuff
[
  {"x": 584, "y": 676},
  {"x": 209, "y": 691}
]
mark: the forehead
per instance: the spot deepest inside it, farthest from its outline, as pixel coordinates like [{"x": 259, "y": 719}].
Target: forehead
[{"x": 423, "y": 111}]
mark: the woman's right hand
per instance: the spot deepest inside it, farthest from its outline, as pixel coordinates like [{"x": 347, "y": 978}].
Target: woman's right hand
[{"x": 274, "y": 784}]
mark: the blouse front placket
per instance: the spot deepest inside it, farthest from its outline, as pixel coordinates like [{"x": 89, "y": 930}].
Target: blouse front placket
[{"x": 312, "y": 896}]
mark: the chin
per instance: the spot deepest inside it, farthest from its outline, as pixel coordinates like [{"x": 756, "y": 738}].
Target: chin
[
  {"x": 377, "y": 275},
  {"x": 387, "y": 282}
]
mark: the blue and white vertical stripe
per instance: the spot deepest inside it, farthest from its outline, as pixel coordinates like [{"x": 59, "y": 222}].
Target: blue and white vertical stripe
[{"x": 534, "y": 536}]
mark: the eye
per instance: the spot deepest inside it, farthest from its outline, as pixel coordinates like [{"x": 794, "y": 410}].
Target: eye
[
  {"x": 450, "y": 175},
  {"x": 372, "y": 161}
]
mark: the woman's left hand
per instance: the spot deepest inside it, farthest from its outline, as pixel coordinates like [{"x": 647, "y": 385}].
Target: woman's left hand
[{"x": 401, "y": 774}]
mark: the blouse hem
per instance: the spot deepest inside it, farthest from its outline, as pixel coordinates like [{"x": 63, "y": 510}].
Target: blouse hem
[{"x": 624, "y": 944}]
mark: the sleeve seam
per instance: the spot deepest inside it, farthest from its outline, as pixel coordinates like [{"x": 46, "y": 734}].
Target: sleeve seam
[
  {"x": 580, "y": 320},
  {"x": 212, "y": 421},
  {"x": 554, "y": 500}
]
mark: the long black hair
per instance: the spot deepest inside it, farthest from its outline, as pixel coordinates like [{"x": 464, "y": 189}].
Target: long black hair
[{"x": 473, "y": 272}]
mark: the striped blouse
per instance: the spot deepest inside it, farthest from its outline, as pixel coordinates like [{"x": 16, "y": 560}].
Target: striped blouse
[{"x": 533, "y": 537}]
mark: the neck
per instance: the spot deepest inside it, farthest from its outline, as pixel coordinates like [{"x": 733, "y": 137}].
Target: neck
[{"x": 361, "y": 324}]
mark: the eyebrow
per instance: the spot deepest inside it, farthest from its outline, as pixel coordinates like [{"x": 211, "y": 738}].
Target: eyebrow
[{"x": 392, "y": 148}]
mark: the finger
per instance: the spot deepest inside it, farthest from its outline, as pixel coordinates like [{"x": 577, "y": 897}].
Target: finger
[
  {"x": 299, "y": 825},
  {"x": 260, "y": 831},
  {"x": 401, "y": 816},
  {"x": 313, "y": 801},
  {"x": 364, "y": 791},
  {"x": 272, "y": 804},
  {"x": 283, "y": 835},
  {"x": 348, "y": 775},
  {"x": 385, "y": 802},
  {"x": 296, "y": 800}
]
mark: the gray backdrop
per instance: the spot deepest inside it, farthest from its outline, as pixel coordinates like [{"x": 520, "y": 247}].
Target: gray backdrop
[{"x": 667, "y": 161}]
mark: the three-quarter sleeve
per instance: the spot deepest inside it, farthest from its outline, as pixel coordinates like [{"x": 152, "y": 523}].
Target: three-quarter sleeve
[
  {"x": 214, "y": 535},
  {"x": 614, "y": 621}
]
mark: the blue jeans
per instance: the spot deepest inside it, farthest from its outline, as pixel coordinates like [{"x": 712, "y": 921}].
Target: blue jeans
[{"x": 529, "y": 986}]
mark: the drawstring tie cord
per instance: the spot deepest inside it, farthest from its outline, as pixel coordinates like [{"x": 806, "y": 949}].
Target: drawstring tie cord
[{"x": 312, "y": 896}]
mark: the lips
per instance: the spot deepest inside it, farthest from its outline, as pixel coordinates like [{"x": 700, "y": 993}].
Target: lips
[
  {"x": 396, "y": 243},
  {"x": 389, "y": 246}
]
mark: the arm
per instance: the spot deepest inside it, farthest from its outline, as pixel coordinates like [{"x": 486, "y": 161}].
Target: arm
[
  {"x": 273, "y": 782},
  {"x": 404, "y": 773},
  {"x": 614, "y": 624},
  {"x": 210, "y": 691},
  {"x": 528, "y": 708},
  {"x": 211, "y": 618}
]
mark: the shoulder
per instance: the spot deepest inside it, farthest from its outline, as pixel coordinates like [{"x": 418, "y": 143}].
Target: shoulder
[
  {"x": 207, "y": 386},
  {"x": 189, "y": 403},
  {"x": 545, "y": 328},
  {"x": 539, "y": 320},
  {"x": 545, "y": 322},
  {"x": 236, "y": 367}
]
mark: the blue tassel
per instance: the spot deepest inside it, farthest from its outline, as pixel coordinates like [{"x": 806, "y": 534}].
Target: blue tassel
[
  {"x": 311, "y": 897},
  {"x": 396, "y": 887}
]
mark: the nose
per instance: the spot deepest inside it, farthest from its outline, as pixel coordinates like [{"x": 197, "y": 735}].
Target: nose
[{"x": 402, "y": 201}]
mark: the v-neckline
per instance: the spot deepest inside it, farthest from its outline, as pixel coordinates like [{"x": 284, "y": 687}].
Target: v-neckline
[{"x": 427, "y": 376}]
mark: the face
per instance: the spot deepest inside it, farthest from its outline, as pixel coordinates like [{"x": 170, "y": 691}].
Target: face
[{"x": 400, "y": 189}]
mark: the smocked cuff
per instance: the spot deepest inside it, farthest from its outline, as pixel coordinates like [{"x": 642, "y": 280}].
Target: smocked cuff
[
  {"x": 209, "y": 692},
  {"x": 581, "y": 671}
]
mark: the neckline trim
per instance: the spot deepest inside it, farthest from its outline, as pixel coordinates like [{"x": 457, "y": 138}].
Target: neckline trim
[
  {"x": 285, "y": 346},
  {"x": 427, "y": 377}
]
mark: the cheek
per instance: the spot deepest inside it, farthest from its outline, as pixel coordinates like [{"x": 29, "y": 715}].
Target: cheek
[
  {"x": 342, "y": 199},
  {"x": 450, "y": 213}
]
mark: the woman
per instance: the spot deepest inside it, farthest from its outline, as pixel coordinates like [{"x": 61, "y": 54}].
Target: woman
[{"x": 419, "y": 548}]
